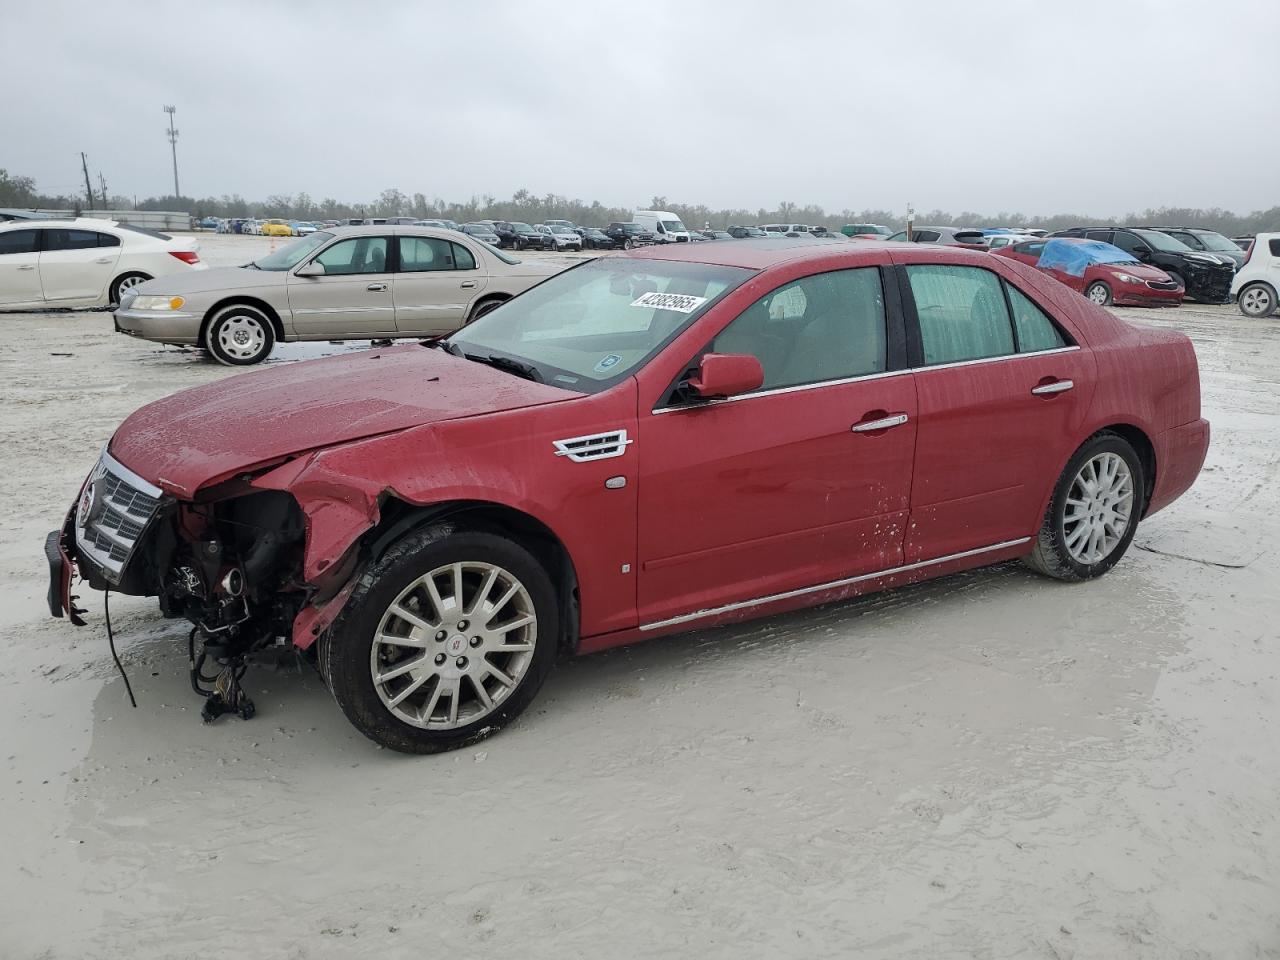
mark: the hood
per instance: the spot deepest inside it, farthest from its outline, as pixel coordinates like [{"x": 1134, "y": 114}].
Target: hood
[
  {"x": 207, "y": 434},
  {"x": 1140, "y": 270},
  {"x": 213, "y": 281}
]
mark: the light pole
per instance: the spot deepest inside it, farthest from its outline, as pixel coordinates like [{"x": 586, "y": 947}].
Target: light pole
[{"x": 173, "y": 145}]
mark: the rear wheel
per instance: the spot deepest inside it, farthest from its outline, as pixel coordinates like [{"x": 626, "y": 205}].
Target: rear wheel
[
  {"x": 1099, "y": 293},
  {"x": 126, "y": 281},
  {"x": 485, "y": 306},
  {"x": 1257, "y": 300},
  {"x": 240, "y": 335},
  {"x": 444, "y": 641},
  {"x": 1093, "y": 513}
]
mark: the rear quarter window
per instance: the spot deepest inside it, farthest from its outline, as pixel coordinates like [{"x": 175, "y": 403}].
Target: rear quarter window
[{"x": 1035, "y": 330}]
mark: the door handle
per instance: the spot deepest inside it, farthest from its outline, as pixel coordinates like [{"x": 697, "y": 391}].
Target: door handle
[
  {"x": 27, "y": 266},
  {"x": 467, "y": 284},
  {"x": 883, "y": 423},
  {"x": 1056, "y": 386},
  {"x": 103, "y": 260},
  {"x": 376, "y": 286}
]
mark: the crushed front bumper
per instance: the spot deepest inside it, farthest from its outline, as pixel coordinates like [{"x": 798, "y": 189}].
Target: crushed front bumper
[{"x": 58, "y": 550}]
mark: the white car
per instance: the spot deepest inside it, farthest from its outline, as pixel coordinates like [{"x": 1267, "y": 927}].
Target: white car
[
  {"x": 1257, "y": 283},
  {"x": 84, "y": 262}
]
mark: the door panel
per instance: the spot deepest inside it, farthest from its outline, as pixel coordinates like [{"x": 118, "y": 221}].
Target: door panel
[
  {"x": 988, "y": 450},
  {"x": 19, "y": 267},
  {"x": 74, "y": 267},
  {"x": 768, "y": 493},
  {"x": 353, "y": 299},
  {"x": 437, "y": 283}
]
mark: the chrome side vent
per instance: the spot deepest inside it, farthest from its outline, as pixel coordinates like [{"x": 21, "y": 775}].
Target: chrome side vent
[{"x": 594, "y": 446}]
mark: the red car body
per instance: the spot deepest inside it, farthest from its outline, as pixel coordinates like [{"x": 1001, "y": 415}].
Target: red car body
[
  {"x": 1147, "y": 287},
  {"x": 711, "y": 513}
]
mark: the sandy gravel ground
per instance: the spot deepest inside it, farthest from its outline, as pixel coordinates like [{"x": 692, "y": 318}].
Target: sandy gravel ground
[{"x": 991, "y": 765}]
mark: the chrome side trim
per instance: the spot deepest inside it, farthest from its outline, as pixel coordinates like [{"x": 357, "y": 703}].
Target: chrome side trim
[
  {"x": 834, "y": 584},
  {"x": 869, "y": 376},
  {"x": 1009, "y": 356}
]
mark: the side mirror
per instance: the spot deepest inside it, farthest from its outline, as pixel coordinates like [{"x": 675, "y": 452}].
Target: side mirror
[
  {"x": 312, "y": 269},
  {"x": 727, "y": 375}
]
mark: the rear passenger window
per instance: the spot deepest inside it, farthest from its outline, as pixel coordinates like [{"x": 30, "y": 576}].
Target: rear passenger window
[
  {"x": 69, "y": 240},
  {"x": 962, "y": 313},
  {"x": 826, "y": 327},
  {"x": 107, "y": 240},
  {"x": 1275, "y": 247},
  {"x": 1035, "y": 330},
  {"x": 462, "y": 258}
]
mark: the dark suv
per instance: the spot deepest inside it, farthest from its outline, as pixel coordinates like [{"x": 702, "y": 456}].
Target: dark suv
[
  {"x": 1207, "y": 241},
  {"x": 1206, "y": 276},
  {"x": 521, "y": 236},
  {"x": 628, "y": 235}
]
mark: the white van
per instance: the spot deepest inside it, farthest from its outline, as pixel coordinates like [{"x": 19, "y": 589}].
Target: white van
[{"x": 665, "y": 227}]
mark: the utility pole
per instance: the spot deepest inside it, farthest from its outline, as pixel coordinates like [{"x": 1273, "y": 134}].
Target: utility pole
[
  {"x": 88, "y": 187},
  {"x": 173, "y": 145}
]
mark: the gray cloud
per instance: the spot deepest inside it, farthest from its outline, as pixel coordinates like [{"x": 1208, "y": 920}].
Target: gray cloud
[{"x": 1096, "y": 106}]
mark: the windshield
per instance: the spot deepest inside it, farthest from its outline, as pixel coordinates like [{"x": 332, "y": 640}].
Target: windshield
[
  {"x": 588, "y": 327},
  {"x": 1216, "y": 242},
  {"x": 1163, "y": 242},
  {"x": 559, "y": 229},
  {"x": 522, "y": 228},
  {"x": 674, "y": 226},
  {"x": 291, "y": 254}
]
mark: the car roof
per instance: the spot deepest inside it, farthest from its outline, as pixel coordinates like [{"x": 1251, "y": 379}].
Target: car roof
[
  {"x": 87, "y": 223},
  {"x": 762, "y": 252}
]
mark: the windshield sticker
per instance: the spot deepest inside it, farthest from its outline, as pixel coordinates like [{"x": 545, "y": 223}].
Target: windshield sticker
[
  {"x": 564, "y": 378},
  {"x": 679, "y": 302},
  {"x": 606, "y": 363}
]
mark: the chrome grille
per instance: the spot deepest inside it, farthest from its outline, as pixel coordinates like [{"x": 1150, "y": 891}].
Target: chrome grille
[
  {"x": 1162, "y": 284},
  {"x": 113, "y": 514}
]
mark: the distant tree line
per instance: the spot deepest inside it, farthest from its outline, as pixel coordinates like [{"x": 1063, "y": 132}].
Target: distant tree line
[{"x": 20, "y": 191}]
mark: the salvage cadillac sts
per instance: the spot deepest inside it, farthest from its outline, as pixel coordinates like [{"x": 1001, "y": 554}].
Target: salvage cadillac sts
[{"x": 690, "y": 435}]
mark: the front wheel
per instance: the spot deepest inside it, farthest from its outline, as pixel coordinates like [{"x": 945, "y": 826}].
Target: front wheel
[
  {"x": 1093, "y": 513},
  {"x": 240, "y": 335},
  {"x": 1099, "y": 293},
  {"x": 445, "y": 640},
  {"x": 627, "y": 244},
  {"x": 1257, "y": 300}
]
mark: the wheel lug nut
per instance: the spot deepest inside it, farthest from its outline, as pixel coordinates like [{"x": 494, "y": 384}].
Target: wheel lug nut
[
  {"x": 476, "y": 641},
  {"x": 461, "y": 663},
  {"x": 462, "y": 624},
  {"x": 441, "y": 635},
  {"x": 440, "y": 659}
]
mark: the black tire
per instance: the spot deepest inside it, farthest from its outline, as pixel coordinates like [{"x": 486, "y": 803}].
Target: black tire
[
  {"x": 228, "y": 324},
  {"x": 1096, "y": 288},
  {"x": 627, "y": 244},
  {"x": 1050, "y": 556},
  {"x": 483, "y": 307},
  {"x": 123, "y": 282},
  {"x": 1260, "y": 298},
  {"x": 346, "y": 650}
]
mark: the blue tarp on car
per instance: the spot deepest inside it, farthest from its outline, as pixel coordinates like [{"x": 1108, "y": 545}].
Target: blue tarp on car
[{"x": 1074, "y": 256}]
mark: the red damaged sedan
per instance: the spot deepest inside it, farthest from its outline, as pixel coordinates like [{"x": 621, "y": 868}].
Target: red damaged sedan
[
  {"x": 680, "y": 437},
  {"x": 1102, "y": 272}
]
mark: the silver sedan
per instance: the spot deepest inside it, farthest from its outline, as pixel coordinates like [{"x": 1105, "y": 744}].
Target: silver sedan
[{"x": 347, "y": 283}]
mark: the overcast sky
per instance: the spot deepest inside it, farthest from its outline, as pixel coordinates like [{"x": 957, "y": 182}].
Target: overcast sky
[{"x": 1092, "y": 106}]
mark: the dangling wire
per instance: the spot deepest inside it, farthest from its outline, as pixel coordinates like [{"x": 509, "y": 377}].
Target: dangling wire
[{"x": 111, "y": 642}]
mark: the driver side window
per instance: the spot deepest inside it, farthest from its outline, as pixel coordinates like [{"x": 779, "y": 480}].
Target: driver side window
[
  {"x": 357, "y": 255},
  {"x": 826, "y": 327}
]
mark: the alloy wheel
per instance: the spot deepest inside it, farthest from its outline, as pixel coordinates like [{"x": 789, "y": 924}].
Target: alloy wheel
[
  {"x": 454, "y": 645},
  {"x": 1256, "y": 302},
  {"x": 129, "y": 282},
  {"x": 1098, "y": 509},
  {"x": 1098, "y": 294}
]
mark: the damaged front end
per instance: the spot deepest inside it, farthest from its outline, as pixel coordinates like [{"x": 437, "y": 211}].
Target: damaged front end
[{"x": 229, "y": 561}]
